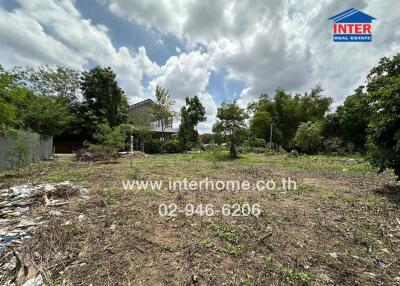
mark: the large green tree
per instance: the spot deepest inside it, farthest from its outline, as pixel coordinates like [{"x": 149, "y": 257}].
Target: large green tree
[
  {"x": 383, "y": 89},
  {"x": 103, "y": 95},
  {"x": 230, "y": 125},
  {"x": 22, "y": 108},
  {"x": 191, "y": 114},
  {"x": 285, "y": 112},
  {"x": 354, "y": 117}
]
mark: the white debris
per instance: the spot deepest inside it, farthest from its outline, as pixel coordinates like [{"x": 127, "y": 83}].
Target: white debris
[{"x": 37, "y": 281}]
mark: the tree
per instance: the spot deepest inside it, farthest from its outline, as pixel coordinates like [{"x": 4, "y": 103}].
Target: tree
[
  {"x": 383, "y": 89},
  {"x": 331, "y": 127},
  {"x": 8, "y": 109},
  {"x": 163, "y": 109},
  {"x": 51, "y": 81},
  {"x": 230, "y": 124},
  {"x": 141, "y": 123},
  {"x": 22, "y": 108},
  {"x": 46, "y": 115},
  {"x": 260, "y": 125},
  {"x": 191, "y": 115},
  {"x": 103, "y": 95},
  {"x": 308, "y": 137},
  {"x": 354, "y": 117},
  {"x": 286, "y": 111}
]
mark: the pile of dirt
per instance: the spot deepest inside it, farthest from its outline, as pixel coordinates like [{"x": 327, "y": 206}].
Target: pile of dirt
[
  {"x": 95, "y": 155},
  {"x": 23, "y": 209},
  {"x": 135, "y": 155}
]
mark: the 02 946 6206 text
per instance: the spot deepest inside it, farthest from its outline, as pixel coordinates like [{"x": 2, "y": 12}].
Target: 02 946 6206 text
[{"x": 235, "y": 210}]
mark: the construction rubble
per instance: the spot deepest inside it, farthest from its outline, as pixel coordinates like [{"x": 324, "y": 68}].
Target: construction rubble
[{"x": 23, "y": 209}]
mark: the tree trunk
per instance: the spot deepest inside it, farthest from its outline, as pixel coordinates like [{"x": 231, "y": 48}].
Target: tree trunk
[{"x": 232, "y": 150}]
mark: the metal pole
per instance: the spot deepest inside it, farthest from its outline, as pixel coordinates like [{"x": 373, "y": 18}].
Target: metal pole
[{"x": 131, "y": 143}]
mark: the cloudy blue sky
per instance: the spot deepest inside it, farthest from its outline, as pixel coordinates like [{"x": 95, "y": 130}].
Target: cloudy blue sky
[{"x": 217, "y": 49}]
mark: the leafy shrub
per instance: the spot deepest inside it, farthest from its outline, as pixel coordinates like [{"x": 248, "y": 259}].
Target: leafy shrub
[
  {"x": 275, "y": 150},
  {"x": 257, "y": 143},
  {"x": 111, "y": 137},
  {"x": 173, "y": 146},
  {"x": 308, "y": 137},
  {"x": 293, "y": 154},
  {"x": 258, "y": 150},
  {"x": 152, "y": 146},
  {"x": 333, "y": 146},
  {"x": 244, "y": 149},
  {"x": 208, "y": 147}
]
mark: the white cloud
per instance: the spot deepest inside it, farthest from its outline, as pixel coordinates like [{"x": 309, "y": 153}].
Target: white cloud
[
  {"x": 49, "y": 32},
  {"x": 184, "y": 76},
  {"x": 276, "y": 43},
  {"x": 264, "y": 44}
]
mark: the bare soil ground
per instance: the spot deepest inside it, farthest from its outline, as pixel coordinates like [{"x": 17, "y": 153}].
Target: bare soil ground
[{"x": 340, "y": 227}]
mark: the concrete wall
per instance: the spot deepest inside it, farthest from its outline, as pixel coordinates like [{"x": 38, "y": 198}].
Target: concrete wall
[{"x": 36, "y": 147}]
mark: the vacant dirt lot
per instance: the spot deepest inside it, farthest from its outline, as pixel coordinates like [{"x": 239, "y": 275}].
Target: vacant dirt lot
[{"x": 340, "y": 227}]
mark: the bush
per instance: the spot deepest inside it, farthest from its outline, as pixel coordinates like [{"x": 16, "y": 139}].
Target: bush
[
  {"x": 258, "y": 150},
  {"x": 308, "y": 137},
  {"x": 275, "y": 150},
  {"x": 208, "y": 147},
  {"x": 111, "y": 137},
  {"x": 333, "y": 146},
  {"x": 152, "y": 146},
  {"x": 244, "y": 149},
  {"x": 173, "y": 146},
  {"x": 293, "y": 154},
  {"x": 257, "y": 143}
]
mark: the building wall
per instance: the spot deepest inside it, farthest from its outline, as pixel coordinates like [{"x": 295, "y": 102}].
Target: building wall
[{"x": 37, "y": 147}]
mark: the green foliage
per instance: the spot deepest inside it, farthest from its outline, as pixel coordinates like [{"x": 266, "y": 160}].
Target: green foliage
[
  {"x": 152, "y": 146},
  {"x": 19, "y": 153},
  {"x": 333, "y": 146},
  {"x": 285, "y": 112},
  {"x": 384, "y": 129},
  {"x": 50, "y": 81},
  {"x": 293, "y": 154},
  {"x": 260, "y": 125},
  {"x": 230, "y": 125},
  {"x": 256, "y": 142},
  {"x": 191, "y": 115},
  {"x": 21, "y": 108},
  {"x": 111, "y": 137},
  {"x": 103, "y": 95},
  {"x": 173, "y": 146},
  {"x": 206, "y": 138},
  {"x": 163, "y": 110},
  {"x": 354, "y": 117},
  {"x": 45, "y": 114},
  {"x": 308, "y": 137},
  {"x": 331, "y": 126}
]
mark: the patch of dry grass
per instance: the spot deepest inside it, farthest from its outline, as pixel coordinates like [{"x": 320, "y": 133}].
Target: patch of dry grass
[{"x": 341, "y": 227}]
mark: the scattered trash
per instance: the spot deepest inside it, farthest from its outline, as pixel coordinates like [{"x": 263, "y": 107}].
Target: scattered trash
[
  {"x": 18, "y": 223},
  {"x": 333, "y": 254}
]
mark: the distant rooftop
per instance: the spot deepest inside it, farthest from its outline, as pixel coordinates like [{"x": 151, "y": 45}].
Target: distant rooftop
[{"x": 143, "y": 102}]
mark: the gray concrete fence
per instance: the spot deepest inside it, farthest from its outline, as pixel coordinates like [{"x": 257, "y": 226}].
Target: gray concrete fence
[{"x": 22, "y": 147}]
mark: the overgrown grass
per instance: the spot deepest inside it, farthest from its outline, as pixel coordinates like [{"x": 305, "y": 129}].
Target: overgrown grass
[{"x": 355, "y": 164}]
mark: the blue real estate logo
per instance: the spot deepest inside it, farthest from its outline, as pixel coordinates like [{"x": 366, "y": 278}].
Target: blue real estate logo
[{"x": 352, "y": 26}]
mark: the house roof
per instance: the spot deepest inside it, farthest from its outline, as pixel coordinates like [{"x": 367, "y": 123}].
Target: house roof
[
  {"x": 140, "y": 103},
  {"x": 352, "y": 16}
]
